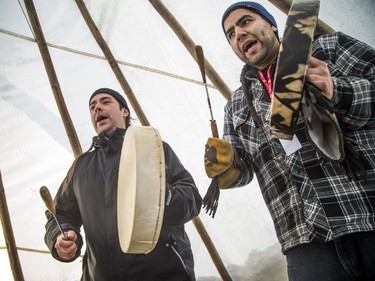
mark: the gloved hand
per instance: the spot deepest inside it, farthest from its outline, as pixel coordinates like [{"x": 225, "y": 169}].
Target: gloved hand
[{"x": 219, "y": 161}]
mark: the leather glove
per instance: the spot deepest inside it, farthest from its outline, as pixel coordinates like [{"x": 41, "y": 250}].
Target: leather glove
[
  {"x": 219, "y": 161},
  {"x": 322, "y": 127}
]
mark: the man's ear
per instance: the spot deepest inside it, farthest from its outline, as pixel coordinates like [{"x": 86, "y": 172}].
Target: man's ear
[
  {"x": 125, "y": 112},
  {"x": 274, "y": 28}
]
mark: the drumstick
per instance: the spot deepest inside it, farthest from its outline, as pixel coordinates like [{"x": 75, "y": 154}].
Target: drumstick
[
  {"x": 197, "y": 221},
  {"x": 200, "y": 58},
  {"x": 47, "y": 198}
]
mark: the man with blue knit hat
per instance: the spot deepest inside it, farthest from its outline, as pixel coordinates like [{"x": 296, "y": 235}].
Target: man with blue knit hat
[
  {"x": 257, "y": 8},
  {"x": 323, "y": 211},
  {"x": 88, "y": 198}
]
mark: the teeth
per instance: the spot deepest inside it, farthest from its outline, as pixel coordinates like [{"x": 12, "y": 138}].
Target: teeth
[{"x": 248, "y": 46}]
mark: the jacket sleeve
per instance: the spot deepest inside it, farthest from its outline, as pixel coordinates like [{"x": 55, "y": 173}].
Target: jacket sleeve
[
  {"x": 352, "y": 66},
  {"x": 68, "y": 215},
  {"x": 182, "y": 199},
  {"x": 244, "y": 162}
]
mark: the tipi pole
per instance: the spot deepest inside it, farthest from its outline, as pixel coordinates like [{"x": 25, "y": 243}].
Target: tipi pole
[
  {"x": 211, "y": 249},
  {"x": 9, "y": 236},
  {"x": 226, "y": 92},
  {"x": 190, "y": 46},
  {"x": 38, "y": 33},
  {"x": 113, "y": 63},
  {"x": 284, "y": 6}
]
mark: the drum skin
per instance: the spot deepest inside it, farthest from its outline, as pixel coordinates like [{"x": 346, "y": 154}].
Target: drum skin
[{"x": 141, "y": 190}]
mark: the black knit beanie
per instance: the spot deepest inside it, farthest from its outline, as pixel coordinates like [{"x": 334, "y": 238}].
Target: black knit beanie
[{"x": 113, "y": 93}]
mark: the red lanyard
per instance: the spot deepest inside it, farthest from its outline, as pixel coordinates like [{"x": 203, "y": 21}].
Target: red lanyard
[{"x": 267, "y": 83}]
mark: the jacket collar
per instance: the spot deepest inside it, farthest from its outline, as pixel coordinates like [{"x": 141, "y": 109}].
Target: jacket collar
[
  {"x": 252, "y": 72},
  {"x": 102, "y": 140}
]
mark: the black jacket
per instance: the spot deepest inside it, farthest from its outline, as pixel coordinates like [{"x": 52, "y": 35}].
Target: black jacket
[{"x": 91, "y": 200}]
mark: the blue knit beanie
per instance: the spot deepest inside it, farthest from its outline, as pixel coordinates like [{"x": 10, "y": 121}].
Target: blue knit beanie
[
  {"x": 253, "y": 6},
  {"x": 113, "y": 93}
]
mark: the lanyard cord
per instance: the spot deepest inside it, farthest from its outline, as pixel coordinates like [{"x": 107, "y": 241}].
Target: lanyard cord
[{"x": 267, "y": 82}]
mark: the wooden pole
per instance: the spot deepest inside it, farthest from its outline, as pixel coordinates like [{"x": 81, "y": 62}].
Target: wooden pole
[
  {"x": 113, "y": 63},
  {"x": 211, "y": 249},
  {"x": 190, "y": 46},
  {"x": 284, "y": 6},
  {"x": 38, "y": 33},
  {"x": 9, "y": 236},
  {"x": 226, "y": 92}
]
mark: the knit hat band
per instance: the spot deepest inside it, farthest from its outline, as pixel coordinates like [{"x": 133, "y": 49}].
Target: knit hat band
[
  {"x": 253, "y": 6},
  {"x": 113, "y": 93}
]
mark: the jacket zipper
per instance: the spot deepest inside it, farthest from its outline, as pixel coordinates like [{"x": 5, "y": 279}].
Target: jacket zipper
[{"x": 179, "y": 256}]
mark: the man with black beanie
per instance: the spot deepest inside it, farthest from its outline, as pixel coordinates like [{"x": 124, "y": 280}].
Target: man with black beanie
[{"x": 88, "y": 198}]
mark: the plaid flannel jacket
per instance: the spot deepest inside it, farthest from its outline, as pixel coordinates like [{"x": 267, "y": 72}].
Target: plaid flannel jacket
[{"x": 310, "y": 199}]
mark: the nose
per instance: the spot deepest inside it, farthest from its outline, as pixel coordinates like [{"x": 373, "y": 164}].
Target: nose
[
  {"x": 97, "y": 107},
  {"x": 241, "y": 34}
]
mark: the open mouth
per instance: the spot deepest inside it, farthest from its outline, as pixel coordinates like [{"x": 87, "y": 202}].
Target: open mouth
[
  {"x": 248, "y": 45},
  {"x": 100, "y": 118}
]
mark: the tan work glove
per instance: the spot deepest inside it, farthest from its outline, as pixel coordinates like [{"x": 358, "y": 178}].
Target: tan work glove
[{"x": 219, "y": 161}]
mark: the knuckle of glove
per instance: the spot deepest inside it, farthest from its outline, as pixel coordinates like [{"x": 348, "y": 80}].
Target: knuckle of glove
[
  {"x": 228, "y": 177},
  {"x": 218, "y": 157}
]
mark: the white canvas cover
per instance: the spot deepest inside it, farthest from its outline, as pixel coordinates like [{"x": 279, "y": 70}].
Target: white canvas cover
[{"x": 35, "y": 150}]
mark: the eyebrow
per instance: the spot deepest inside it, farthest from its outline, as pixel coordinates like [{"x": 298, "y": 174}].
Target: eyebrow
[
  {"x": 101, "y": 100},
  {"x": 237, "y": 23}
]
